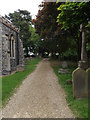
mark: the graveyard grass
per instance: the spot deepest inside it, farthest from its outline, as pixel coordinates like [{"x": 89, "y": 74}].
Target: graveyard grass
[
  {"x": 11, "y": 82},
  {"x": 79, "y": 107}
]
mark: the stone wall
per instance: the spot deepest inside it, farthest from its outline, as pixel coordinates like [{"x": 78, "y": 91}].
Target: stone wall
[
  {"x": 21, "y": 53},
  {"x": 20, "y": 66},
  {"x": 7, "y": 62},
  {"x": 0, "y": 49}
]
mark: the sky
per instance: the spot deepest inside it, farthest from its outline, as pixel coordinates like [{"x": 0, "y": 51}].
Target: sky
[{"x": 9, "y": 6}]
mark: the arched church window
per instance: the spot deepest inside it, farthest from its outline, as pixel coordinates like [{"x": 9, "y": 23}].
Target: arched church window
[{"x": 12, "y": 46}]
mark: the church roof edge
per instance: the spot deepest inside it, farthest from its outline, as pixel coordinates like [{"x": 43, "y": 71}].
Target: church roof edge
[{"x": 8, "y": 23}]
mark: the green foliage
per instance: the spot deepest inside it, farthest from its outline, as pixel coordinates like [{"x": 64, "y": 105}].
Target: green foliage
[
  {"x": 11, "y": 82},
  {"x": 34, "y": 36},
  {"x": 88, "y": 46},
  {"x": 73, "y": 14},
  {"x": 54, "y": 39},
  {"x": 88, "y": 25},
  {"x": 70, "y": 52},
  {"x": 33, "y": 40},
  {"x": 64, "y": 35}
]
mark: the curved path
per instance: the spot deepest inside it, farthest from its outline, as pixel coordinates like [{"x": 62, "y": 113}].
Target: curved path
[{"x": 39, "y": 96}]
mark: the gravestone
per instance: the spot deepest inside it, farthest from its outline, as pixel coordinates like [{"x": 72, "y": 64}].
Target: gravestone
[
  {"x": 64, "y": 64},
  {"x": 88, "y": 81},
  {"x": 79, "y": 83},
  {"x": 64, "y": 71}
]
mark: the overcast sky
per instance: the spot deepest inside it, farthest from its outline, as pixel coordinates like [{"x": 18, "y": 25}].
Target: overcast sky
[{"x": 9, "y": 6}]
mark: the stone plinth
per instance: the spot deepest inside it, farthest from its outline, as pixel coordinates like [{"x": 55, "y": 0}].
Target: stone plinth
[{"x": 83, "y": 64}]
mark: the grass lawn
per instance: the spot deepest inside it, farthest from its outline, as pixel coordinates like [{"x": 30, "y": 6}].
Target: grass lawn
[
  {"x": 79, "y": 107},
  {"x": 11, "y": 82}
]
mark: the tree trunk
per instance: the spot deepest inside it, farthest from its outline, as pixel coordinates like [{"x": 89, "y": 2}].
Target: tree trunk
[{"x": 26, "y": 51}]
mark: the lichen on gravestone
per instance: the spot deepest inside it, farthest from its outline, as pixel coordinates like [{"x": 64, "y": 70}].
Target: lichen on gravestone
[
  {"x": 88, "y": 81},
  {"x": 64, "y": 64},
  {"x": 79, "y": 83}
]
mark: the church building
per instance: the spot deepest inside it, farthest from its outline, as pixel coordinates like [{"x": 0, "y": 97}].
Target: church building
[{"x": 11, "y": 48}]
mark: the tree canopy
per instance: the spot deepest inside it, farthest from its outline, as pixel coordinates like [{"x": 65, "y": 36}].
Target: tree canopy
[
  {"x": 58, "y": 24},
  {"x": 47, "y": 27},
  {"x": 22, "y": 19},
  {"x": 57, "y": 28},
  {"x": 71, "y": 16}
]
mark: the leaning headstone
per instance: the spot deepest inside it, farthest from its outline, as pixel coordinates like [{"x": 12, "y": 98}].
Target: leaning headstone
[
  {"x": 88, "y": 81},
  {"x": 79, "y": 83},
  {"x": 64, "y": 64}
]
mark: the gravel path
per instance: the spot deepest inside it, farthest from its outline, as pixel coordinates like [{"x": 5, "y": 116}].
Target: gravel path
[{"x": 39, "y": 96}]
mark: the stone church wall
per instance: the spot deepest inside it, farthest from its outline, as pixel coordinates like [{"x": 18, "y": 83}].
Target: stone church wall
[
  {"x": 0, "y": 49},
  {"x": 7, "y": 62}
]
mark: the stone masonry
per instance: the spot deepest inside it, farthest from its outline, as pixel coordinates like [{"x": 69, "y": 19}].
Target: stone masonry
[{"x": 11, "y": 48}]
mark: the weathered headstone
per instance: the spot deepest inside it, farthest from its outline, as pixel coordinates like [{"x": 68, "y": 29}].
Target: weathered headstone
[
  {"x": 79, "y": 83},
  {"x": 64, "y": 64},
  {"x": 88, "y": 81},
  {"x": 64, "y": 71},
  {"x": 0, "y": 50}
]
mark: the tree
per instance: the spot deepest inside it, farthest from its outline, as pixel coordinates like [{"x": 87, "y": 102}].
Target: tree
[
  {"x": 22, "y": 19},
  {"x": 72, "y": 15},
  {"x": 34, "y": 40},
  {"x": 46, "y": 26}
]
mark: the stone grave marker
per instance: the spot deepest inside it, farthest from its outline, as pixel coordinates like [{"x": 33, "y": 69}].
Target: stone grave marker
[
  {"x": 79, "y": 83},
  {"x": 88, "y": 81},
  {"x": 64, "y": 71},
  {"x": 64, "y": 64}
]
